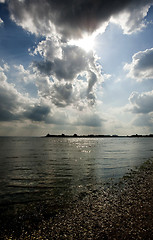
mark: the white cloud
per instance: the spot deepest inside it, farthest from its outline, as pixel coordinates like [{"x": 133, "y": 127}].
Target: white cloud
[
  {"x": 49, "y": 49},
  {"x": 16, "y": 106},
  {"x": 24, "y": 75},
  {"x": 74, "y": 67},
  {"x": 11, "y": 101},
  {"x": 1, "y": 21},
  {"x": 141, "y": 67},
  {"x": 141, "y": 103},
  {"x": 2, "y": 75},
  {"x": 131, "y": 19}
]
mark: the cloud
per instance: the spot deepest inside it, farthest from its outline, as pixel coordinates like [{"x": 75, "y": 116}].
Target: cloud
[
  {"x": 131, "y": 19},
  {"x": 62, "y": 94},
  {"x": 37, "y": 113},
  {"x": 72, "y": 18},
  {"x": 141, "y": 67},
  {"x": 73, "y": 61},
  {"x": 144, "y": 121},
  {"x": 141, "y": 103},
  {"x": 72, "y": 77},
  {"x": 59, "y": 117},
  {"x": 16, "y": 106},
  {"x": 10, "y": 100},
  {"x": 67, "y": 77},
  {"x": 63, "y": 66},
  {"x": 89, "y": 119},
  {"x": 24, "y": 75},
  {"x": 49, "y": 48},
  {"x": 1, "y": 21}
]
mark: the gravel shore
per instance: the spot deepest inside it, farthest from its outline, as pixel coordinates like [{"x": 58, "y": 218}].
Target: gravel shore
[{"x": 116, "y": 211}]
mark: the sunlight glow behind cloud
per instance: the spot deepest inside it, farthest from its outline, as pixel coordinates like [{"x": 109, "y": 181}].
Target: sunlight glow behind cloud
[{"x": 87, "y": 43}]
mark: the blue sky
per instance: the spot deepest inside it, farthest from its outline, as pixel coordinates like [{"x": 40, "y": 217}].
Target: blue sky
[{"x": 83, "y": 68}]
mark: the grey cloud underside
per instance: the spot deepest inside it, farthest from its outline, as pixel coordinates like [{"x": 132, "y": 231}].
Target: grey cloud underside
[
  {"x": 141, "y": 67},
  {"x": 142, "y": 103},
  {"x": 146, "y": 60},
  {"x": 144, "y": 121},
  {"x": 73, "y": 61},
  {"x": 9, "y": 102},
  {"x": 62, "y": 94},
  {"x": 16, "y": 107},
  {"x": 90, "y": 120},
  {"x": 37, "y": 113},
  {"x": 13, "y": 106},
  {"x": 71, "y": 18}
]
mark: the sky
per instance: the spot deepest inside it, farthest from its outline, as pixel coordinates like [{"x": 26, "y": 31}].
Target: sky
[{"x": 78, "y": 66}]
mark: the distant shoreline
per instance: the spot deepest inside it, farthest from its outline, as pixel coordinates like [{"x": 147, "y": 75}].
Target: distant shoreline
[{"x": 98, "y": 136}]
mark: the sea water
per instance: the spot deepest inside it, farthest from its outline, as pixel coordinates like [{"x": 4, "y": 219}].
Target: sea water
[{"x": 35, "y": 169}]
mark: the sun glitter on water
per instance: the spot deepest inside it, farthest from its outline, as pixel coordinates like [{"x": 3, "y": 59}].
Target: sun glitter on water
[{"x": 86, "y": 43}]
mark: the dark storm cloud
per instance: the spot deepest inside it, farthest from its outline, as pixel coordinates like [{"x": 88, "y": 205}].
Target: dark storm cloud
[
  {"x": 141, "y": 103},
  {"x": 141, "y": 67},
  {"x": 71, "y": 17}
]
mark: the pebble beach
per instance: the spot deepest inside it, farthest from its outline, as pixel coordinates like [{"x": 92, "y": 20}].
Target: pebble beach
[{"x": 118, "y": 211}]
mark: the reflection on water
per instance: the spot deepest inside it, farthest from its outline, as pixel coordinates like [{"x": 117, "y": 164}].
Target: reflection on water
[{"x": 48, "y": 168}]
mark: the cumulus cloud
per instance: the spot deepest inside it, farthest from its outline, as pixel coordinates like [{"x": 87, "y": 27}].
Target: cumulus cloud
[
  {"x": 24, "y": 75},
  {"x": 141, "y": 103},
  {"x": 10, "y": 100},
  {"x": 62, "y": 94},
  {"x": 49, "y": 48},
  {"x": 131, "y": 19},
  {"x": 62, "y": 20},
  {"x": 63, "y": 65},
  {"x": 66, "y": 77},
  {"x": 16, "y": 106},
  {"x": 141, "y": 67},
  {"x": 73, "y": 61},
  {"x": 72, "y": 18},
  {"x": 75, "y": 67},
  {"x": 48, "y": 108}
]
